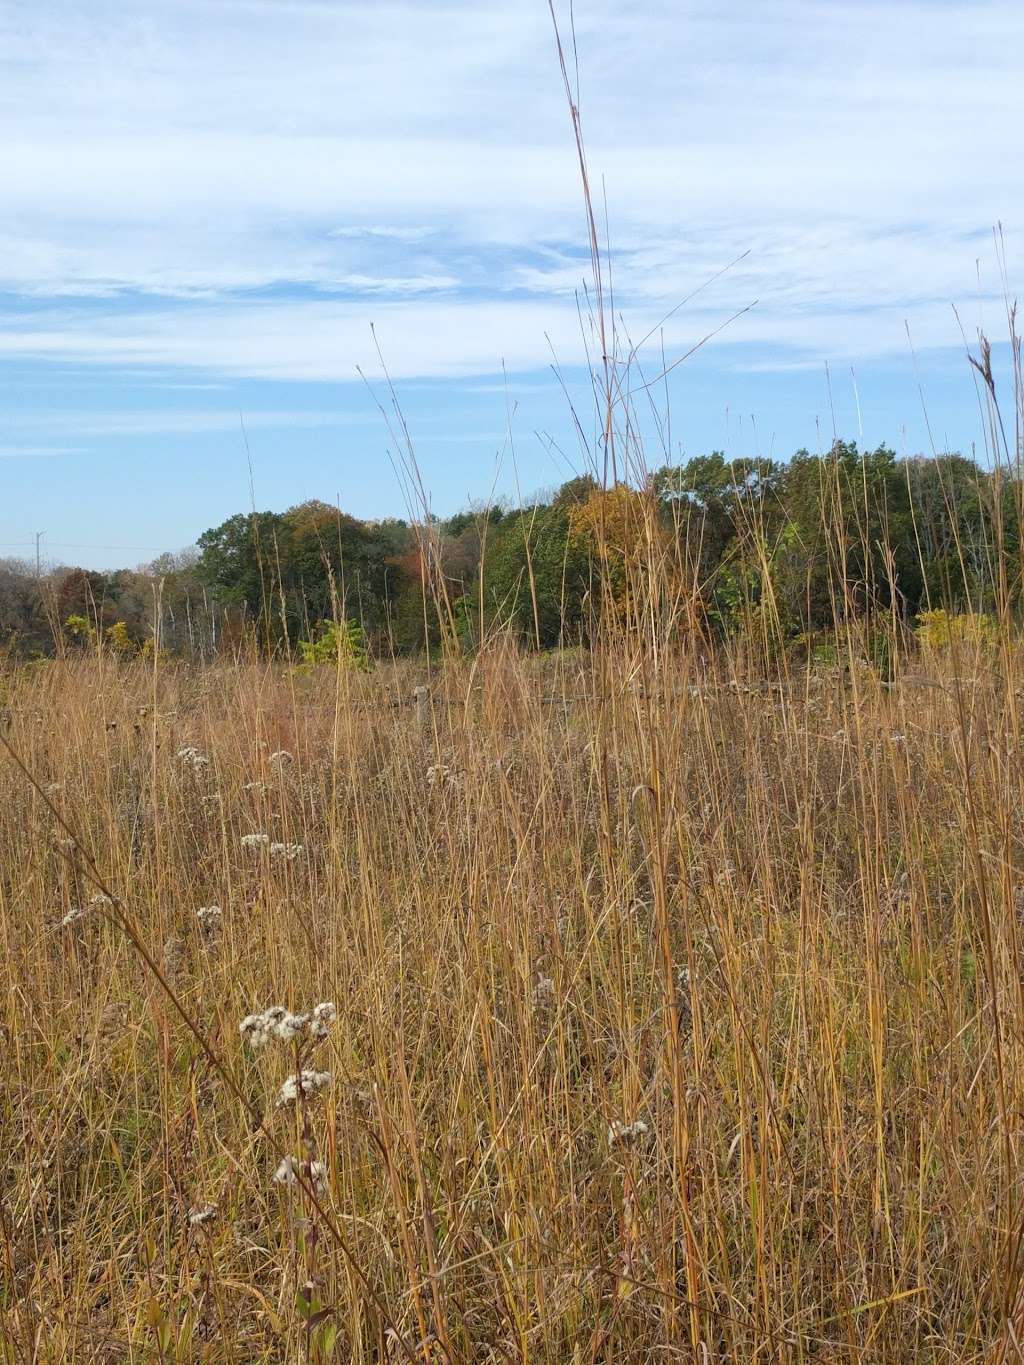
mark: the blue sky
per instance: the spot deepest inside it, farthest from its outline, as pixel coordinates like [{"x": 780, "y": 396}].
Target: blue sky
[{"x": 207, "y": 203}]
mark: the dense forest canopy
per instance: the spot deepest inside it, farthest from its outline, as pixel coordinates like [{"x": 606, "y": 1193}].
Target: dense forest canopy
[{"x": 817, "y": 537}]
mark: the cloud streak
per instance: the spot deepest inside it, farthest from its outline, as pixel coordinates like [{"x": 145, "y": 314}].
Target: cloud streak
[
  {"x": 243, "y": 186},
  {"x": 177, "y": 421},
  {"x": 332, "y": 342}
]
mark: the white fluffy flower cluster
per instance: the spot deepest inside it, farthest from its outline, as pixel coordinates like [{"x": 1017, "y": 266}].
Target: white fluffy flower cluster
[
  {"x": 78, "y": 912},
  {"x": 323, "y": 1017},
  {"x": 204, "y": 1214},
  {"x": 283, "y": 852},
  {"x": 209, "y": 917},
  {"x": 286, "y": 852},
  {"x": 280, "y": 1024},
  {"x": 305, "y": 1084},
  {"x": 291, "y": 1026},
  {"x": 291, "y": 1168},
  {"x": 259, "y": 1029},
  {"x": 192, "y": 758},
  {"x": 625, "y": 1133}
]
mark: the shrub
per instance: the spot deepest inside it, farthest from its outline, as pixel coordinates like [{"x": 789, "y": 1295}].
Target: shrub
[
  {"x": 336, "y": 642},
  {"x": 118, "y": 640},
  {"x": 80, "y": 628},
  {"x": 940, "y": 628}
]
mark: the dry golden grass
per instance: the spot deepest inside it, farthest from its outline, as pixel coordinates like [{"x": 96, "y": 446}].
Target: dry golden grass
[{"x": 772, "y": 930}]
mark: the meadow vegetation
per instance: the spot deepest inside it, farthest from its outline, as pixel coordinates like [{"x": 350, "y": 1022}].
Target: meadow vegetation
[{"x": 679, "y": 1007}]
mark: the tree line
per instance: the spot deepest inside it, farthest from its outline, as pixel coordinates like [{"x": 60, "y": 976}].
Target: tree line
[{"x": 808, "y": 542}]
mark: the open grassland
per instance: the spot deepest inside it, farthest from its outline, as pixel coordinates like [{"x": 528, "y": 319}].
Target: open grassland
[{"x": 679, "y": 1012}]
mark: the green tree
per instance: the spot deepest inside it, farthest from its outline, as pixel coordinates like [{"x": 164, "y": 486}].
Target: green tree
[
  {"x": 237, "y": 558},
  {"x": 535, "y": 578}
]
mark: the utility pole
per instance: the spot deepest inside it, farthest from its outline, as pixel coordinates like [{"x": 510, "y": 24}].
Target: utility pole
[{"x": 39, "y": 567}]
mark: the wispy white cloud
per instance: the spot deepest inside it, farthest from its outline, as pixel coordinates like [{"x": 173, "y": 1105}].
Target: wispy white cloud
[
  {"x": 178, "y": 421},
  {"x": 320, "y": 340},
  {"x": 242, "y": 186},
  {"x": 394, "y": 234}
]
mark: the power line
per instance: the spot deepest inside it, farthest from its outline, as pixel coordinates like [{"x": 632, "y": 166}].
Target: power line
[
  {"x": 75, "y": 545},
  {"x": 78, "y": 545}
]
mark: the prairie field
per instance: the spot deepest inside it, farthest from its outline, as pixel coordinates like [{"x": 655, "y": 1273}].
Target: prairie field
[
  {"x": 475, "y": 920},
  {"x": 677, "y": 1009}
]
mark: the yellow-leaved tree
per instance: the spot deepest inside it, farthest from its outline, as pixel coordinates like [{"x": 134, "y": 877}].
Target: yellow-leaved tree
[{"x": 622, "y": 530}]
